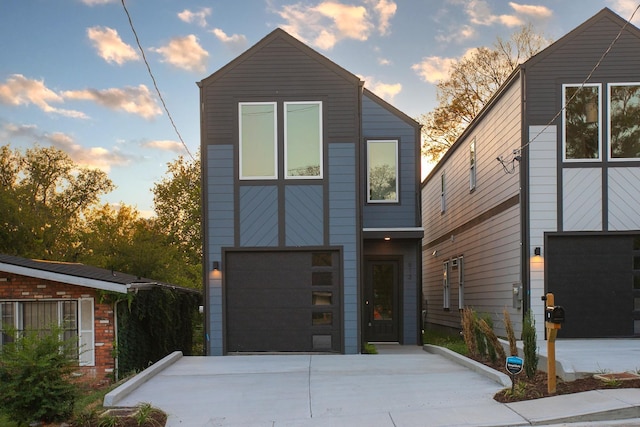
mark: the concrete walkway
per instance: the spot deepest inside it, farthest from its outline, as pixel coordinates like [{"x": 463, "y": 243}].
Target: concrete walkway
[{"x": 400, "y": 387}]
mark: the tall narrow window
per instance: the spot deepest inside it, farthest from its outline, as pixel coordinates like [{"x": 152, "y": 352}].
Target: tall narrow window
[
  {"x": 472, "y": 165},
  {"x": 257, "y": 122},
  {"x": 624, "y": 121},
  {"x": 460, "y": 283},
  {"x": 581, "y": 130},
  {"x": 443, "y": 204},
  {"x": 446, "y": 290},
  {"x": 382, "y": 171},
  {"x": 303, "y": 139}
]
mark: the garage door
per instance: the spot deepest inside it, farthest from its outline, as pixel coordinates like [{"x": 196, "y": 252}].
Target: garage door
[
  {"x": 593, "y": 278},
  {"x": 286, "y": 301}
]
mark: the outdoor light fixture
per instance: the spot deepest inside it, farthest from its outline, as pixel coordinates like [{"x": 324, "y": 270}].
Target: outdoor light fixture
[
  {"x": 537, "y": 251},
  {"x": 387, "y": 238},
  {"x": 216, "y": 265},
  {"x": 434, "y": 253}
]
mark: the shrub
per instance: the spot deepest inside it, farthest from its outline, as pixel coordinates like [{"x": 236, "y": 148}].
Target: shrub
[
  {"x": 468, "y": 331},
  {"x": 35, "y": 377},
  {"x": 495, "y": 350},
  {"x": 530, "y": 345},
  {"x": 511, "y": 336}
]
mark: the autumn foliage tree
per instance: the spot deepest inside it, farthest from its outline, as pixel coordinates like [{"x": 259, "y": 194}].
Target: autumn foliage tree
[{"x": 471, "y": 83}]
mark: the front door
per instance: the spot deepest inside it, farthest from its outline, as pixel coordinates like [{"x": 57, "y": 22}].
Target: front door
[{"x": 382, "y": 314}]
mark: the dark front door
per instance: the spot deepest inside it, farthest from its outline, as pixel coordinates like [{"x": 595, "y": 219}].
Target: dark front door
[{"x": 382, "y": 314}]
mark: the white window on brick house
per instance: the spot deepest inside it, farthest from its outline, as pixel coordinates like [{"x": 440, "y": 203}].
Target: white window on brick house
[{"x": 74, "y": 317}]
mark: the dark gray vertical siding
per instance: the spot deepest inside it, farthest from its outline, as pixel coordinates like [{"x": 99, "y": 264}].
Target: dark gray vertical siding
[
  {"x": 378, "y": 122},
  {"x": 343, "y": 213},
  {"x": 259, "y": 216},
  {"x": 220, "y": 220},
  {"x": 304, "y": 215}
]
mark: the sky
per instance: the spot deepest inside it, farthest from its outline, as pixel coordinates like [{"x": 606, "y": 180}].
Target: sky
[{"x": 73, "y": 76}]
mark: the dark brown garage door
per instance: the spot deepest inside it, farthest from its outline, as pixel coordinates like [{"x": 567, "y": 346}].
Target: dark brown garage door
[{"x": 287, "y": 301}]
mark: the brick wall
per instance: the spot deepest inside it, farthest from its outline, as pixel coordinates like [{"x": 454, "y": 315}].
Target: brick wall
[{"x": 17, "y": 287}]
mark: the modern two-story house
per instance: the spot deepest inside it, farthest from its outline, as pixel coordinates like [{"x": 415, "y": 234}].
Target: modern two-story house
[
  {"x": 541, "y": 193},
  {"x": 311, "y": 206}
]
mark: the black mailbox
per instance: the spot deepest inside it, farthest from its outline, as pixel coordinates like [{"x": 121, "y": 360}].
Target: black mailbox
[{"x": 555, "y": 314}]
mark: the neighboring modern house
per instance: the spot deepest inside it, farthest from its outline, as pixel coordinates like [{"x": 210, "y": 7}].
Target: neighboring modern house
[
  {"x": 311, "y": 206},
  {"x": 36, "y": 294},
  {"x": 541, "y": 193}
]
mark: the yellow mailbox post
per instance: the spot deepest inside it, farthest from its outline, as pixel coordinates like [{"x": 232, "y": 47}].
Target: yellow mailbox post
[{"x": 554, "y": 317}]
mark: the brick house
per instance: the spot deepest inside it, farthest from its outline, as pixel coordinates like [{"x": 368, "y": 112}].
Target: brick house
[{"x": 36, "y": 294}]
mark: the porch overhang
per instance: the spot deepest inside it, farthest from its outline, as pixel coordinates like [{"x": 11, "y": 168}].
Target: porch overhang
[{"x": 393, "y": 233}]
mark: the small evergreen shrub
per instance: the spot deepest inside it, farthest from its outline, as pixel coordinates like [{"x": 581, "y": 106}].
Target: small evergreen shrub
[
  {"x": 530, "y": 345},
  {"x": 35, "y": 380}
]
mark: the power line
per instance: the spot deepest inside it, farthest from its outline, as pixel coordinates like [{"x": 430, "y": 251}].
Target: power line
[
  {"x": 584, "y": 82},
  {"x": 155, "y": 85}
]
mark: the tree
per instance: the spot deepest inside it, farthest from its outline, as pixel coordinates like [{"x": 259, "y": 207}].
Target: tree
[
  {"x": 471, "y": 83},
  {"x": 46, "y": 195}
]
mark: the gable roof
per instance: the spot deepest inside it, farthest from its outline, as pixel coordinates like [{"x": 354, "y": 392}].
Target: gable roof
[
  {"x": 605, "y": 13},
  {"x": 77, "y": 274},
  {"x": 393, "y": 110},
  {"x": 281, "y": 34}
]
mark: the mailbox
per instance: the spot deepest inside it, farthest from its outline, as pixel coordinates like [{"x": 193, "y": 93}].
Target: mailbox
[{"x": 555, "y": 314}]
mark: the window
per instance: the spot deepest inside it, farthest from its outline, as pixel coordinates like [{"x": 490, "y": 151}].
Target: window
[
  {"x": 40, "y": 315},
  {"x": 258, "y": 138},
  {"x": 446, "y": 291},
  {"x": 443, "y": 205},
  {"x": 460, "y": 283},
  {"x": 472, "y": 165},
  {"x": 382, "y": 171},
  {"x": 303, "y": 139},
  {"x": 624, "y": 121},
  {"x": 581, "y": 130}
]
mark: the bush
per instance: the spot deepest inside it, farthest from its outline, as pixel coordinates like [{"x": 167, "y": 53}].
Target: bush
[
  {"x": 530, "y": 345},
  {"x": 511, "y": 336},
  {"x": 35, "y": 377}
]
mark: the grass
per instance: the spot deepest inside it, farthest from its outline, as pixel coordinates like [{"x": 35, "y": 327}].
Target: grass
[{"x": 452, "y": 341}]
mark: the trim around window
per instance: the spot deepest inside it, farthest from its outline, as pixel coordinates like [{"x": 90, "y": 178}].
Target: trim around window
[
  {"x": 303, "y": 140},
  {"x": 258, "y": 139},
  {"x": 582, "y": 122},
  {"x": 382, "y": 171},
  {"x": 623, "y": 123}
]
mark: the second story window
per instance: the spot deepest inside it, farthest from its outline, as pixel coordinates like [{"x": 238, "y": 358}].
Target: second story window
[
  {"x": 581, "y": 131},
  {"x": 472, "y": 166},
  {"x": 382, "y": 171},
  {"x": 303, "y": 139},
  {"x": 624, "y": 121},
  {"x": 443, "y": 201},
  {"x": 258, "y": 140}
]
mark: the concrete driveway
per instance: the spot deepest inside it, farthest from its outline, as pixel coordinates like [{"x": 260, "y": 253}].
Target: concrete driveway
[{"x": 414, "y": 388}]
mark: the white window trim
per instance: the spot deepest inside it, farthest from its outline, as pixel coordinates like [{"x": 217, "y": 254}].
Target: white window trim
[
  {"x": 397, "y": 199},
  {"x": 443, "y": 193},
  {"x": 564, "y": 121},
  {"x": 446, "y": 288},
  {"x": 275, "y": 142},
  {"x": 320, "y": 142},
  {"x": 473, "y": 169},
  {"x": 460, "y": 282},
  {"x": 609, "y": 147},
  {"x": 86, "y": 356}
]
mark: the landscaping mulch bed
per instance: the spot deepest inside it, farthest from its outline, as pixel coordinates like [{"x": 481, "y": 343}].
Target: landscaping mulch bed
[{"x": 536, "y": 387}]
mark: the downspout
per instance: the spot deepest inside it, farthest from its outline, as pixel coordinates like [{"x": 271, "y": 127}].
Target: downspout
[{"x": 524, "y": 198}]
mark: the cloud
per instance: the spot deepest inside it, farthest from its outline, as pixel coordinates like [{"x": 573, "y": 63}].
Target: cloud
[
  {"x": 185, "y": 53},
  {"x": 165, "y": 145},
  {"x": 534, "y": 11},
  {"x": 626, "y": 8},
  {"x": 110, "y": 46},
  {"x": 199, "y": 18},
  {"x": 236, "y": 42},
  {"x": 433, "y": 68},
  {"x": 92, "y": 157},
  {"x": 137, "y": 100},
  {"x": 460, "y": 34},
  {"x": 328, "y": 22},
  {"x": 97, "y": 2},
  {"x": 19, "y": 90},
  {"x": 386, "y": 91}
]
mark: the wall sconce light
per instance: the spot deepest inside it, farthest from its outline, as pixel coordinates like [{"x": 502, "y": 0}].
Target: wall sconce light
[
  {"x": 387, "y": 238},
  {"x": 537, "y": 251},
  {"x": 216, "y": 265},
  {"x": 434, "y": 253}
]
